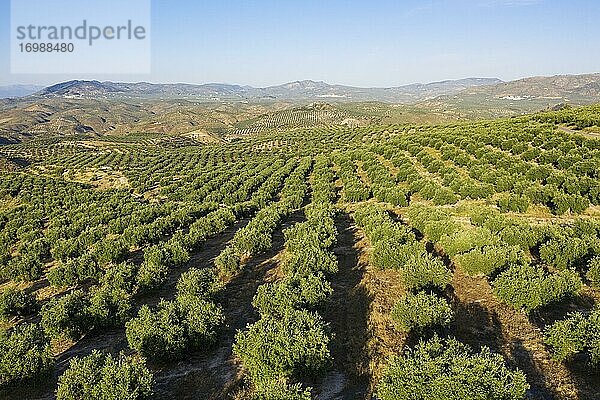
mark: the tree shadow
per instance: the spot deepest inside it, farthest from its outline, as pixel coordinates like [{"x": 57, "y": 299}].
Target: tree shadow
[
  {"x": 113, "y": 340},
  {"x": 347, "y": 313},
  {"x": 216, "y": 374},
  {"x": 520, "y": 357},
  {"x": 585, "y": 377},
  {"x": 475, "y": 325}
]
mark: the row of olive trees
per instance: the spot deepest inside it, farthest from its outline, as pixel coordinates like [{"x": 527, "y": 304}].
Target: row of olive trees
[
  {"x": 291, "y": 339},
  {"x": 256, "y": 236}
]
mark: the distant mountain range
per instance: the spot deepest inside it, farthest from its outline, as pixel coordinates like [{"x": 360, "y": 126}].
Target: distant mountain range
[
  {"x": 18, "y": 90},
  {"x": 299, "y": 90},
  {"x": 572, "y": 88},
  {"x": 554, "y": 87},
  {"x": 518, "y": 97},
  {"x": 99, "y": 108}
]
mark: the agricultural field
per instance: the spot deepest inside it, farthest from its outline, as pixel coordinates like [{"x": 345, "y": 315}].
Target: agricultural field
[{"x": 305, "y": 253}]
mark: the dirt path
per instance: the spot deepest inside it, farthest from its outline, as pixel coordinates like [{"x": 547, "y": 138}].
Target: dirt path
[
  {"x": 588, "y": 134},
  {"x": 359, "y": 314},
  {"x": 114, "y": 340},
  {"x": 217, "y": 375},
  {"x": 482, "y": 320},
  {"x": 346, "y": 312}
]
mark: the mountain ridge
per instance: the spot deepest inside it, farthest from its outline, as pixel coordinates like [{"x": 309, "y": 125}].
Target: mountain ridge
[{"x": 295, "y": 90}]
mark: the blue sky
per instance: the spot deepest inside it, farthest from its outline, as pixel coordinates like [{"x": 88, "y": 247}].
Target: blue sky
[{"x": 360, "y": 43}]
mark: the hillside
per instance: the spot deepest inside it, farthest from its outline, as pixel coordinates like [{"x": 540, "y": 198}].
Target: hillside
[
  {"x": 218, "y": 111},
  {"x": 59, "y": 116},
  {"x": 326, "y": 262},
  {"x": 12, "y": 91},
  {"x": 571, "y": 88},
  {"x": 306, "y": 90},
  {"x": 519, "y": 97}
]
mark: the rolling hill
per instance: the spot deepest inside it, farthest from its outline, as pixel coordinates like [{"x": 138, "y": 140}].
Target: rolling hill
[
  {"x": 219, "y": 110},
  {"x": 306, "y": 90}
]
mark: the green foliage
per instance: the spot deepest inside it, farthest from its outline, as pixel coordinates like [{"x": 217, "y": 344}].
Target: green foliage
[
  {"x": 420, "y": 311},
  {"x": 16, "y": 302},
  {"x": 111, "y": 301},
  {"x": 313, "y": 259},
  {"x": 281, "y": 390},
  {"x": 569, "y": 251},
  {"x": 323, "y": 186},
  {"x": 158, "y": 335},
  {"x": 188, "y": 323},
  {"x": 434, "y": 230},
  {"x": 575, "y": 334},
  {"x": 25, "y": 353},
  {"x": 283, "y": 346},
  {"x": 228, "y": 262},
  {"x": 201, "y": 283},
  {"x": 394, "y": 255},
  {"x": 152, "y": 275},
  {"x": 104, "y": 377},
  {"x": 425, "y": 272},
  {"x": 354, "y": 189},
  {"x": 22, "y": 268},
  {"x": 297, "y": 292},
  {"x": 74, "y": 271},
  {"x": 67, "y": 316},
  {"x": 449, "y": 370},
  {"x": 110, "y": 305},
  {"x": 466, "y": 240},
  {"x": 394, "y": 244},
  {"x": 201, "y": 319},
  {"x": 489, "y": 259},
  {"x": 513, "y": 203},
  {"x": 593, "y": 271},
  {"x": 528, "y": 287}
]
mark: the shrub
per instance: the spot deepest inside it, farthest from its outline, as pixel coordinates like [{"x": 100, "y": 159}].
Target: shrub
[
  {"x": 311, "y": 259},
  {"x": 68, "y": 316},
  {"x": 420, "y": 311},
  {"x": 449, "y": 370},
  {"x": 151, "y": 275},
  {"x": 593, "y": 271},
  {"x": 110, "y": 305},
  {"x": 527, "y": 287},
  {"x": 228, "y": 262},
  {"x": 465, "y": 240},
  {"x": 425, "y": 272},
  {"x": 201, "y": 320},
  {"x": 202, "y": 283},
  {"x": 279, "y": 389},
  {"x": 565, "y": 252},
  {"x": 22, "y": 268},
  {"x": 574, "y": 335},
  {"x": 100, "y": 377},
  {"x": 110, "y": 302},
  {"x": 394, "y": 255},
  {"x": 522, "y": 235},
  {"x": 122, "y": 275},
  {"x": 297, "y": 292},
  {"x": 25, "y": 353},
  {"x": 434, "y": 230},
  {"x": 489, "y": 259},
  {"x": 188, "y": 323},
  {"x": 283, "y": 346},
  {"x": 157, "y": 335},
  {"x": 16, "y": 302},
  {"x": 514, "y": 203},
  {"x": 443, "y": 196},
  {"x": 74, "y": 271}
]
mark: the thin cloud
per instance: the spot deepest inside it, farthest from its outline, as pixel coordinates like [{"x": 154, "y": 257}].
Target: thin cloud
[{"x": 510, "y": 3}]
